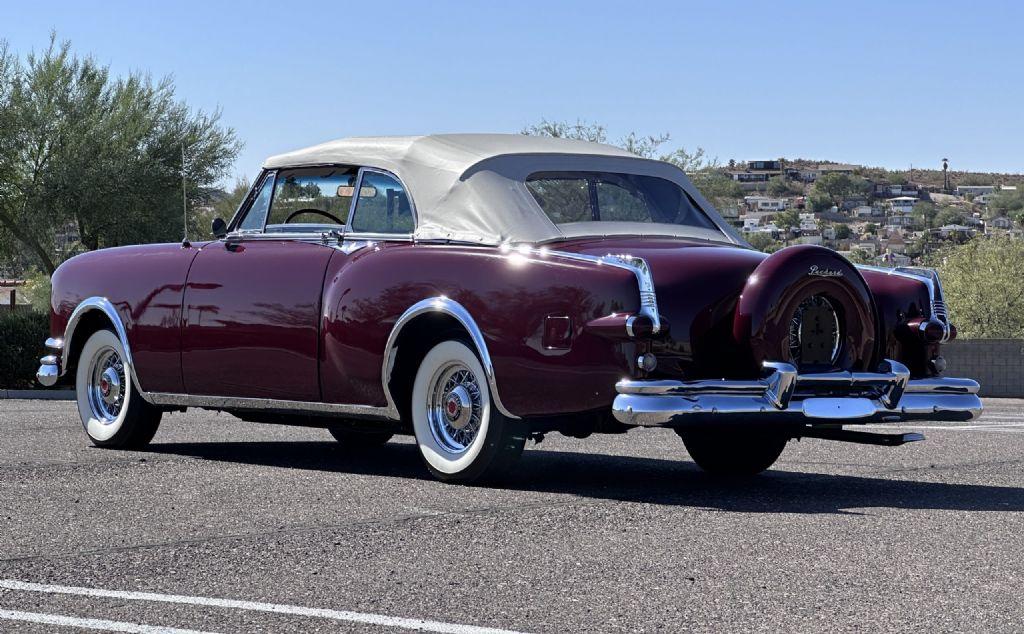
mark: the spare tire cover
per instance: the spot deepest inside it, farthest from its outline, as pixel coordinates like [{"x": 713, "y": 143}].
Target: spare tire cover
[{"x": 799, "y": 301}]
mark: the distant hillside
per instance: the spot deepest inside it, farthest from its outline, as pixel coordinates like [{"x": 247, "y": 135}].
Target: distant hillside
[{"x": 929, "y": 178}]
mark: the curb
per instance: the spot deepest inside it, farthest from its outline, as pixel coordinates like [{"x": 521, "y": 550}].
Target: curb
[{"x": 39, "y": 395}]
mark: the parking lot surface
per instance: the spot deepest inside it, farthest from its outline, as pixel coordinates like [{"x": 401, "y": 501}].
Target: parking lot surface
[{"x": 226, "y": 526}]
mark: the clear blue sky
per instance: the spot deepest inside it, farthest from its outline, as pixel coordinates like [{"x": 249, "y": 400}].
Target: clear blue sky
[{"x": 878, "y": 83}]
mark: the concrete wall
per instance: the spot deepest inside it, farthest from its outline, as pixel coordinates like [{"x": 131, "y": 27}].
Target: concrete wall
[{"x": 998, "y": 364}]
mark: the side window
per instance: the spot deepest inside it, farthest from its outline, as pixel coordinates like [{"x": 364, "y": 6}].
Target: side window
[
  {"x": 256, "y": 217},
  {"x": 383, "y": 206}
]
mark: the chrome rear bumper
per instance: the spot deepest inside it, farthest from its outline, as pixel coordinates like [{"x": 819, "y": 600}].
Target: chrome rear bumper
[{"x": 784, "y": 396}]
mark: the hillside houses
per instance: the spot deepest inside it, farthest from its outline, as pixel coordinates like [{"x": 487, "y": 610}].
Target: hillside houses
[{"x": 874, "y": 220}]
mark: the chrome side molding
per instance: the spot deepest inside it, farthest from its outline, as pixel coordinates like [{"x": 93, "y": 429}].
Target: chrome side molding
[
  {"x": 268, "y": 404},
  {"x": 53, "y": 367}
]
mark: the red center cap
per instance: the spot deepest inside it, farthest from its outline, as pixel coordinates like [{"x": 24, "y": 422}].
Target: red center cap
[
  {"x": 105, "y": 386},
  {"x": 453, "y": 407}
]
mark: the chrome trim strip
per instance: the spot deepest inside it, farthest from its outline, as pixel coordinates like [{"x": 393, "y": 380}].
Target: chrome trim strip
[
  {"x": 454, "y": 309},
  {"x": 936, "y": 298},
  {"x": 265, "y": 404},
  {"x": 103, "y": 305},
  {"x": 637, "y": 266},
  {"x": 348, "y": 247},
  {"x": 783, "y": 395}
]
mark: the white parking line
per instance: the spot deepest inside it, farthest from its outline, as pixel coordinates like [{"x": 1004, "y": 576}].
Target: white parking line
[
  {"x": 277, "y": 608},
  {"x": 91, "y": 624}
]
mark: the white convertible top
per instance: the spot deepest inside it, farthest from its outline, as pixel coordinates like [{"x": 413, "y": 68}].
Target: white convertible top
[{"x": 471, "y": 187}]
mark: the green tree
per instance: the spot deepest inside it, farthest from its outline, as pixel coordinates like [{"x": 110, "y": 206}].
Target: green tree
[
  {"x": 836, "y": 186},
  {"x": 100, "y": 154},
  {"x": 818, "y": 201},
  {"x": 764, "y": 242},
  {"x": 949, "y": 216},
  {"x": 982, "y": 283},
  {"x": 843, "y": 231},
  {"x": 859, "y": 256},
  {"x": 781, "y": 186},
  {"x": 786, "y": 219},
  {"x": 647, "y": 146},
  {"x": 581, "y": 130},
  {"x": 924, "y": 214},
  {"x": 217, "y": 203},
  {"x": 717, "y": 186},
  {"x": 1006, "y": 203}
]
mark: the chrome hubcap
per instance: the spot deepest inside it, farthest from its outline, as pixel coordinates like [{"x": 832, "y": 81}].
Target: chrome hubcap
[
  {"x": 106, "y": 385},
  {"x": 455, "y": 407},
  {"x": 458, "y": 407},
  {"x": 110, "y": 386}
]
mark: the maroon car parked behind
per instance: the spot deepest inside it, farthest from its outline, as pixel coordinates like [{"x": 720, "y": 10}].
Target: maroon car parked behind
[{"x": 477, "y": 290}]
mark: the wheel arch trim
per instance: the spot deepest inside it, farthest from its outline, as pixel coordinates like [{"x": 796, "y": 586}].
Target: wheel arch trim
[
  {"x": 457, "y": 311},
  {"x": 106, "y": 307}
]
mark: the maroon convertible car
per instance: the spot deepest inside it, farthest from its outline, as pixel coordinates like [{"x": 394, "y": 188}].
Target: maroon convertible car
[{"x": 476, "y": 291}]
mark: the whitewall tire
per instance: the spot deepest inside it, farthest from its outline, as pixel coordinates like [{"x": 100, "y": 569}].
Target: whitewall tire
[
  {"x": 112, "y": 411},
  {"x": 461, "y": 435}
]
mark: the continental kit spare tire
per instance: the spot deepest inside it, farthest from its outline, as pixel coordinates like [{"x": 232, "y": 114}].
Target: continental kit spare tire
[{"x": 809, "y": 306}]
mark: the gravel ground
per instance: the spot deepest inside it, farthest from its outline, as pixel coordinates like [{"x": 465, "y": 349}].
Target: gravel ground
[{"x": 610, "y": 533}]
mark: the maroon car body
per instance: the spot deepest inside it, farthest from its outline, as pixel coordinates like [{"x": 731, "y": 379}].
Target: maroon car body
[{"x": 326, "y": 324}]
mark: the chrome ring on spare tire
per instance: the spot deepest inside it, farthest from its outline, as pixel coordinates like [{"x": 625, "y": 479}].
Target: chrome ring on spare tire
[
  {"x": 107, "y": 385},
  {"x": 455, "y": 407}
]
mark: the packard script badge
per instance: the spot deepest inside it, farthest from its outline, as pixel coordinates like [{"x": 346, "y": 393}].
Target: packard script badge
[{"x": 820, "y": 272}]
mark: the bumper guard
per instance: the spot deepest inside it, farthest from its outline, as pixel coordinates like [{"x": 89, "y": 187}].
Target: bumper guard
[{"x": 49, "y": 366}]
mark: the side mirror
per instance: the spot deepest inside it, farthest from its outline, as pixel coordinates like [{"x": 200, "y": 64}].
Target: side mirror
[{"x": 220, "y": 228}]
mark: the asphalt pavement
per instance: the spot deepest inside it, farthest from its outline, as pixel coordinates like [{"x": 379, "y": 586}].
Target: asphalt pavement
[{"x": 226, "y": 526}]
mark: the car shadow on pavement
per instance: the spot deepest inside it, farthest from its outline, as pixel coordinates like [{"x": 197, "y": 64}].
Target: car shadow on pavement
[{"x": 634, "y": 479}]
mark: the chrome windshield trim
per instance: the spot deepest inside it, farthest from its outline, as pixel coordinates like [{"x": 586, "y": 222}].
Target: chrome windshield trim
[{"x": 458, "y": 311}]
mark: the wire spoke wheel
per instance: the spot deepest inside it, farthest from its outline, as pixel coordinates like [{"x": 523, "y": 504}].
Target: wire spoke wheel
[
  {"x": 455, "y": 407},
  {"x": 112, "y": 411},
  {"x": 107, "y": 385},
  {"x": 461, "y": 435}
]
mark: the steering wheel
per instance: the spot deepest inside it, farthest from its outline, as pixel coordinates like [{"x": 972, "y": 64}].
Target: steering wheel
[{"x": 319, "y": 212}]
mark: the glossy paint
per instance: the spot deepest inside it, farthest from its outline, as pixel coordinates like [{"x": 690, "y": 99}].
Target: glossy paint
[
  {"x": 145, "y": 284},
  {"x": 898, "y": 300},
  {"x": 508, "y": 294},
  {"x": 252, "y": 320},
  {"x": 305, "y": 321},
  {"x": 698, "y": 284},
  {"x": 781, "y": 282}
]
